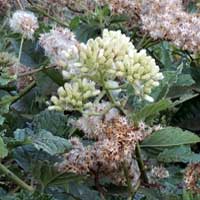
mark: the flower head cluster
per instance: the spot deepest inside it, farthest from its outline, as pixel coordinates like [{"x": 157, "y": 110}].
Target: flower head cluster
[
  {"x": 102, "y": 60},
  {"x": 92, "y": 119},
  {"x": 113, "y": 55},
  {"x": 192, "y": 175},
  {"x": 141, "y": 71},
  {"x": 165, "y": 19},
  {"x": 61, "y": 47},
  {"x": 99, "y": 56},
  {"x": 24, "y": 22},
  {"x": 74, "y": 95},
  {"x": 115, "y": 145}
]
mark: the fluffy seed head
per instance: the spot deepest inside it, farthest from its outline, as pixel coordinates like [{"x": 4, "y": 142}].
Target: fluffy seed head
[{"x": 24, "y": 22}]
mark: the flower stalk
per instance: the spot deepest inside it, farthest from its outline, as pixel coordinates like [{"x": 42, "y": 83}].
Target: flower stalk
[{"x": 15, "y": 178}]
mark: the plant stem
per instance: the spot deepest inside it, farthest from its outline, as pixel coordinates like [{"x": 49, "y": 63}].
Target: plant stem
[
  {"x": 36, "y": 70},
  {"x": 20, "y": 4},
  {"x": 12, "y": 100},
  {"x": 19, "y": 56},
  {"x": 127, "y": 179},
  {"x": 24, "y": 92},
  {"x": 141, "y": 164},
  {"x": 131, "y": 190},
  {"x": 15, "y": 178},
  {"x": 111, "y": 98}
]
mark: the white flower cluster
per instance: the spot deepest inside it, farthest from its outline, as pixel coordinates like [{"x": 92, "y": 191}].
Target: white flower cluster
[
  {"x": 141, "y": 71},
  {"x": 103, "y": 60},
  {"x": 24, "y": 22},
  {"x": 74, "y": 95},
  {"x": 99, "y": 56},
  {"x": 61, "y": 47},
  {"x": 113, "y": 55}
]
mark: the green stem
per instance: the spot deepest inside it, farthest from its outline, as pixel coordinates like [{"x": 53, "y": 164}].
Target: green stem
[
  {"x": 20, "y": 49},
  {"x": 19, "y": 56},
  {"x": 12, "y": 100},
  {"x": 128, "y": 180},
  {"x": 131, "y": 190},
  {"x": 117, "y": 105},
  {"x": 15, "y": 178},
  {"x": 141, "y": 164},
  {"x": 24, "y": 92}
]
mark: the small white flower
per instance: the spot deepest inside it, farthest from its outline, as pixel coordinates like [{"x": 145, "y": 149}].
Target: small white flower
[{"x": 24, "y": 22}]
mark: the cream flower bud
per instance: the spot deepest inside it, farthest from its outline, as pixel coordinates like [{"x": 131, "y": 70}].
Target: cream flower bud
[
  {"x": 141, "y": 71},
  {"x": 99, "y": 56},
  {"x": 74, "y": 95}
]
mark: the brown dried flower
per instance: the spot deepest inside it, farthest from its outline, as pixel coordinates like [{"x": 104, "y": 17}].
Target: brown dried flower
[
  {"x": 4, "y": 7},
  {"x": 192, "y": 176},
  {"x": 115, "y": 146}
]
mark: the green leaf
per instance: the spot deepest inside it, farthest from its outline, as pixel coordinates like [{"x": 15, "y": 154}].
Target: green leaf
[
  {"x": 170, "y": 136},
  {"x": 52, "y": 121},
  {"x": 48, "y": 175},
  {"x": 179, "y": 154},
  {"x": 3, "y": 149},
  {"x": 44, "y": 140},
  {"x": 185, "y": 80},
  {"x": 150, "y": 111}
]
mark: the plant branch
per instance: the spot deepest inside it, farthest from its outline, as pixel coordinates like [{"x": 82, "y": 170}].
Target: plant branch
[
  {"x": 12, "y": 100},
  {"x": 141, "y": 164},
  {"x": 36, "y": 70},
  {"x": 15, "y": 178},
  {"x": 20, "y": 4},
  {"x": 131, "y": 190},
  {"x": 24, "y": 92}
]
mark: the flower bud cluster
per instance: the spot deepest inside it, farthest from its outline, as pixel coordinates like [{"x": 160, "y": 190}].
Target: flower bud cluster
[
  {"x": 141, "y": 71},
  {"x": 99, "y": 56},
  {"x": 113, "y": 55},
  {"x": 61, "y": 47},
  {"x": 24, "y": 22},
  {"x": 74, "y": 95}
]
